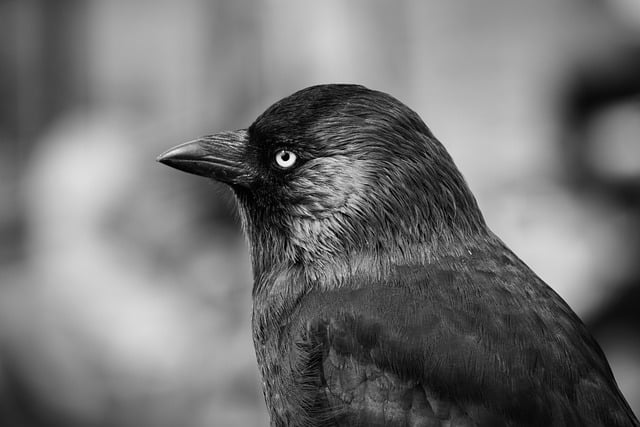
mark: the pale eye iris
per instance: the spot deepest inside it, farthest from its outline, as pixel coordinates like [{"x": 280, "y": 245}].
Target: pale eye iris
[{"x": 285, "y": 159}]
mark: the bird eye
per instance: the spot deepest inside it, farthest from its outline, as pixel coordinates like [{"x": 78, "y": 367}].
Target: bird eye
[{"x": 285, "y": 159}]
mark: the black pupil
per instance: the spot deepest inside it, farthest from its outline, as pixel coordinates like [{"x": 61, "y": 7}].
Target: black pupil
[{"x": 284, "y": 156}]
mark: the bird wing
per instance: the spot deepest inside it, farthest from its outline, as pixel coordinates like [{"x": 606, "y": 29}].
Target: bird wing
[{"x": 449, "y": 348}]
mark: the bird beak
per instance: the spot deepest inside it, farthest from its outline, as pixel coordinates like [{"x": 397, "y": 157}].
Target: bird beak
[{"x": 220, "y": 157}]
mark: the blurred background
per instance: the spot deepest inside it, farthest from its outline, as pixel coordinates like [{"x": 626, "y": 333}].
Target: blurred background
[{"x": 125, "y": 285}]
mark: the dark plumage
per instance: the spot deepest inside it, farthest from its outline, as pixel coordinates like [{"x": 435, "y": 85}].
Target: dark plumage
[{"x": 380, "y": 296}]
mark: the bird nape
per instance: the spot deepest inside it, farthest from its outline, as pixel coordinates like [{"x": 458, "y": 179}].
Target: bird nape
[{"x": 380, "y": 297}]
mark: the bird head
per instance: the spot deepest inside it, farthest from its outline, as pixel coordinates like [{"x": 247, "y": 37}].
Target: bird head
[{"x": 337, "y": 173}]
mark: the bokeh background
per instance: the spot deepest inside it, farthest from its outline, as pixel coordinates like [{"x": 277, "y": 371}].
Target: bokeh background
[{"x": 125, "y": 285}]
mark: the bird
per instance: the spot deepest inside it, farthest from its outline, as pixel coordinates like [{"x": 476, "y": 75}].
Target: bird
[{"x": 380, "y": 295}]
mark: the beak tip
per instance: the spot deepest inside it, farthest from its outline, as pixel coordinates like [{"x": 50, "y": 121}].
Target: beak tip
[{"x": 185, "y": 151}]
